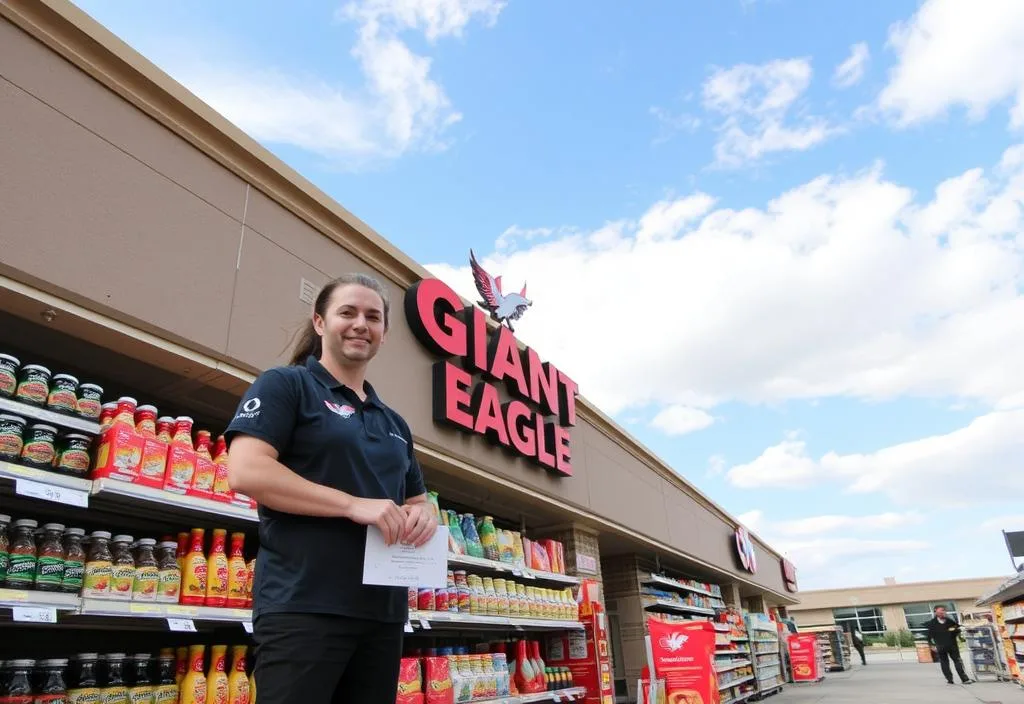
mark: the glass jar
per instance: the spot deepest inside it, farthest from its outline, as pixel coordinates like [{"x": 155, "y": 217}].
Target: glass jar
[
  {"x": 169, "y": 573},
  {"x": 19, "y": 686},
  {"x": 82, "y": 682},
  {"x": 122, "y": 577},
  {"x": 9, "y": 366},
  {"x": 21, "y": 567},
  {"x": 5, "y": 522},
  {"x": 90, "y": 401},
  {"x": 53, "y": 689},
  {"x": 33, "y": 384},
  {"x": 63, "y": 396},
  {"x": 114, "y": 690},
  {"x": 50, "y": 561},
  {"x": 39, "y": 448},
  {"x": 147, "y": 572},
  {"x": 73, "y": 455},
  {"x": 98, "y": 566},
  {"x": 12, "y": 436}
]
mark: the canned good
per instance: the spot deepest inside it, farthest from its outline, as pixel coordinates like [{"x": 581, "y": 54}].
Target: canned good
[
  {"x": 441, "y": 599},
  {"x": 425, "y": 600}
]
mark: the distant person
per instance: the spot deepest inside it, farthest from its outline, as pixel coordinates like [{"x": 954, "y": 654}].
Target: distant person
[
  {"x": 944, "y": 638},
  {"x": 858, "y": 643}
]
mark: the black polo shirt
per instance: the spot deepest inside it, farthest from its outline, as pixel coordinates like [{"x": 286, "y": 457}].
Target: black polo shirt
[{"x": 324, "y": 433}]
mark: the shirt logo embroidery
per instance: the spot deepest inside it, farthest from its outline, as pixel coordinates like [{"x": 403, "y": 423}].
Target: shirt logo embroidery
[
  {"x": 250, "y": 409},
  {"x": 343, "y": 410}
]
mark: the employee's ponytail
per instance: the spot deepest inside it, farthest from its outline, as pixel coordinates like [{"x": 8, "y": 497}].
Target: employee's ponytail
[{"x": 307, "y": 340}]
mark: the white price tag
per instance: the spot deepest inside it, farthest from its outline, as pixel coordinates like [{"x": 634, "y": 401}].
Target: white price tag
[
  {"x": 182, "y": 625},
  {"x": 424, "y": 624},
  {"x": 247, "y": 625},
  {"x": 33, "y": 614},
  {"x": 408, "y": 627},
  {"x": 51, "y": 492},
  {"x": 556, "y": 696}
]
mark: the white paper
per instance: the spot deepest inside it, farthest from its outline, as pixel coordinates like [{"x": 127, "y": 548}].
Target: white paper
[
  {"x": 405, "y": 566},
  {"x": 183, "y": 625},
  {"x": 247, "y": 625},
  {"x": 34, "y": 614},
  {"x": 51, "y": 492}
]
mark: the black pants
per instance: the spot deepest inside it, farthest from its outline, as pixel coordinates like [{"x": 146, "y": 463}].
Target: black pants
[
  {"x": 945, "y": 655},
  {"x": 860, "y": 649},
  {"x": 322, "y": 659}
]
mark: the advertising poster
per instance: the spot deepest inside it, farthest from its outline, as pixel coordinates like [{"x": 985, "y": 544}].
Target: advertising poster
[
  {"x": 586, "y": 655},
  {"x": 803, "y": 657},
  {"x": 684, "y": 658}
]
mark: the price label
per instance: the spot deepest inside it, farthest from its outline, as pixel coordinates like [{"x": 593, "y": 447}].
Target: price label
[
  {"x": 32, "y": 614},
  {"x": 424, "y": 624},
  {"x": 517, "y": 572},
  {"x": 556, "y": 696},
  {"x": 50, "y": 492},
  {"x": 182, "y": 625},
  {"x": 247, "y": 625},
  {"x": 408, "y": 627}
]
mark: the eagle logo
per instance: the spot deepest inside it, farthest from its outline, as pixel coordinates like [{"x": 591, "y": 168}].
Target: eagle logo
[
  {"x": 673, "y": 642},
  {"x": 504, "y": 307}
]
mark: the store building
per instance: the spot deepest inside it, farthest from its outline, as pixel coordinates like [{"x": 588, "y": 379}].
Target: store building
[
  {"x": 151, "y": 246},
  {"x": 891, "y": 606}
]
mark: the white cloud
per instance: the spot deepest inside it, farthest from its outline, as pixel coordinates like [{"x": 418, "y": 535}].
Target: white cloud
[
  {"x": 851, "y": 71},
  {"x": 399, "y": 107},
  {"x": 976, "y": 463},
  {"x": 833, "y": 561},
  {"x": 957, "y": 54},
  {"x": 754, "y": 102},
  {"x": 815, "y": 525},
  {"x": 680, "y": 420},
  {"x": 845, "y": 286}
]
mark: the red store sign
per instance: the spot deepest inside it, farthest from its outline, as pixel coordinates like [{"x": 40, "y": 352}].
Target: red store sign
[
  {"x": 538, "y": 391},
  {"x": 789, "y": 575}
]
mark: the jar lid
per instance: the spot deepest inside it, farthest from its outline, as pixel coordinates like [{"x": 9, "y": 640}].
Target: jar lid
[
  {"x": 56, "y": 662},
  {"x": 4, "y": 518},
  {"x": 88, "y": 656},
  {"x": 37, "y": 367},
  {"x": 22, "y": 664},
  {"x": 75, "y": 531},
  {"x": 11, "y": 358},
  {"x": 147, "y": 541},
  {"x": 165, "y": 419},
  {"x": 102, "y": 534},
  {"x": 184, "y": 419},
  {"x": 128, "y": 399},
  {"x": 142, "y": 656},
  {"x": 77, "y": 436},
  {"x": 123, "y": 538},
  {"x": 110, "y": 405},
  {"x": 26, "y": 523},
  {"x": 169, "y": 544},
  {"x": 66, "y": 376},
  {"x": 42, "y": 426},
  {"x": 147, "y": 407},
  {"x": 114, "y": 656},
  {"x": 90, "y": 385},
  {"x": 59, "y": 527},
  {"x": 13, "y": 419}
]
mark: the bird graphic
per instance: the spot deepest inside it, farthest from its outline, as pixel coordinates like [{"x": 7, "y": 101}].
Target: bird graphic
[
  {"x": 504, "y": 307},
  {"x": 673, "y": 642}
]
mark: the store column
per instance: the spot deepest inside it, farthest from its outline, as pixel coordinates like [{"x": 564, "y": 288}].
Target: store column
[
  {"x": 756, "y": 604},
  {"x": 582, "y": 552},
  {"x": 731, "y": 595}
]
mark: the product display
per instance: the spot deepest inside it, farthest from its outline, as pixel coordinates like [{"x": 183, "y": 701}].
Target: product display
[
  {"x": 766, "y": 653},
  {"x": 986, "y": 653},
  {"x": 835, "y": 647},
  {"x": 488, "y": 596}
]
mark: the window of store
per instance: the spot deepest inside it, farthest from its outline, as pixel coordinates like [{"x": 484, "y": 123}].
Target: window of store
[
  {"x": 920, "y": 614},
  {"x": 867, "y": 619}
]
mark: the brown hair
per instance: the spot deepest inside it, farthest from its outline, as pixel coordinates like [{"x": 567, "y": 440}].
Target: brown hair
[{"x": 308, "y": 342}]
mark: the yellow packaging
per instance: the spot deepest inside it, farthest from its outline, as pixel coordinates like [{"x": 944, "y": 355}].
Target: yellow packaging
[
  {"x": 217, "y": 679},
  {"x": 193, "y": 686},
  {"x": 238, "y": 682}
]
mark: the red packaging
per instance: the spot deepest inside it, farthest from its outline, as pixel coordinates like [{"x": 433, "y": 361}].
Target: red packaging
[
  {"x": 206, "y": 469},
  {"x": 540, "y": 558},
  {"x": 803, "y": 656},
  {"x": 410, "y": 687},
  {"x": 181, "y": 458},
  {"x": 684, "y": 656},
  {"x": 119, "y": 454},
  {"x": 413, "y": 598},
  {"x": 425, "y": 601},
  {"x": 441, "y": 600},
  {"x": 437, "y": 682}
]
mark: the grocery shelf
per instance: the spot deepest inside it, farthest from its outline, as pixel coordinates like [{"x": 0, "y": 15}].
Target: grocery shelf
[
  {"x": 496, "y": 566},
  {"x": 673, "y": 606},
  {"x": 733, "y": 666},
  {"x": 739, "y": 639},
  {"x": 735, "y": 682},
  {"x": 722, "y": 627},
  {"x": 14, "y": 472},
  {"x": 741, "y": 698},
  {"x": 478, "y": 621},
  {"x": 25, "y": 410},
  {"x": 730, "y": 652},
  {"x": 117, "y": 491},
  {"x": 132, "y": 609},
  {"x": 558, "y": 695},
  {"x": 34, "y": 599},
  {"x": 675, "y": 584}
]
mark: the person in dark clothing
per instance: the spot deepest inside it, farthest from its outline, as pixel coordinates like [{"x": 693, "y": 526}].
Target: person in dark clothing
[
  {"x": 944, "y": 638},
  {"x": 858, "y": 643}
]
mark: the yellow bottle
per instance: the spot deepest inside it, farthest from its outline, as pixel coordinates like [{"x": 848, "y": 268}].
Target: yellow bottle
[
  {"x": 181, "y": 665},
  {"x": 217, "y": 571},
  {"x": 217, "y": 679},
  {"x": 193, "y": 685},
  {"x": 238, "y": 680},
  {"x": 252, "y": 687},
  {"x": 194, "y": 571}
]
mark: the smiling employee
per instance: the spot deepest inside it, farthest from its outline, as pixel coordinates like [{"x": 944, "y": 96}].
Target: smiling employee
[{"x": 324, "y": 458}]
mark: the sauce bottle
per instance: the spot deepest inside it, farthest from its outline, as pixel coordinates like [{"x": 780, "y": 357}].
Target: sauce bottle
[
  {"x": 193, "y": 685},
  {"x": 181, "y": 665},
  {"x": 74, "y": 561},
  {"x": 83, "y": 689},
  {"x": 50, "y": 563},
  {"x": 238, "y": 680},
  {"x": 220, "y": 459},
  {"x": 205, "y": 471},
  {"x": 182, "y": 467},
  {"x": 251, "y": 569},
  {"x": 125, "y": 413},
  {"x": 166, "y": 691},
  {"x": 194, "y": 571},
  {"x": 5, "y": 545},
  {"x": 141, "y": 691},
  {"x": 98, "y": 566},
  {"x": 168, "y": 573},
  {"x": 107, "y": 412},
  {"x": 538, "y": 666},
  {"x": 21, "y": 567},
  {"x": 147, "y": 573},
  {"x": 122, "y": 576},
  {"x": 114, "y": 690},
  {"x": 165, "y": 429},
  {"x": 54, "y": 689},
  {"x": 217, "y": 571},
  {"x": 154, "y": 462},
  {"x": 19, "y": 687},
  {"x": 182, "y": 551},
  {"x": 238, "y": 573},
  {"x": 217, "y": 679}
]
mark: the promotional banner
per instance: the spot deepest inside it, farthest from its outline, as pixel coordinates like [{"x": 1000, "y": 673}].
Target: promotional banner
[
  {"x": 585, "y": 652},
  {"x": 803, "y": 657},
  {"x": 684, "y": 657}
]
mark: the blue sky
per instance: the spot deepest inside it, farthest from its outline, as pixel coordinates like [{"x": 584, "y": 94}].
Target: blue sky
[{"x": 792, "y": 228}]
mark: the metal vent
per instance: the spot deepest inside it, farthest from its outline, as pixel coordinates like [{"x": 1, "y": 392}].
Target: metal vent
[{"x": 307, "y": 291}]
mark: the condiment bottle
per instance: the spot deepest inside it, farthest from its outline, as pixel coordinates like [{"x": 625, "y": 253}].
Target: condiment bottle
[
  {"x": 125, "y": 413},
  {"x": 21, "y": 569},
  {"x": 122, "y": 576},
  {"x": 166, "y": 690},
  {"x": 238, "y": 573},
  {"x": 217, "y": 679},
  {"x": 217, "y": 571},
  {"x": 182, "y": 551},
  {"x": 193, "y": 574},
  {"x": 145, "y": 421},
  {"x": 238, "y": 680},
  {"x": 63, "y": 394},
  {"x": 19, "y": 687},
  {"x": 154, "y": 457},
  {"x": 220, "y": 458},
  {"x": 50, "y": 563},
  {"x": 165, "y": 429},
  {"x": 83, "y": 687},
  {"x": 141, "y": 691},
  {"x": 183, "y": 432},
  {"x": 181, "y": 665},
  {"x": 147, "y": 572},
  {"x": 107, "y": 412},
  {"x": 114, "y": 690},
  {"x": 5, "y": 556},
  {"x": 169, "y": 573},
  {"x": 206, "y": 472},
  {"x": 53, "y": 689},
  {"x": 98, "y": 566},
  {"x": 251, "y": 569}
]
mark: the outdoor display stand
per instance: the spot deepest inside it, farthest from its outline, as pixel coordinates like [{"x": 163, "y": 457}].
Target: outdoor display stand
[
  {"x": 986, "y": 651},
  {"x": 585, "y": 653},
  {"x": 767, "y": 655},
  {"x": 835, "y": 647},
  {"x": 805, "y": 657}
]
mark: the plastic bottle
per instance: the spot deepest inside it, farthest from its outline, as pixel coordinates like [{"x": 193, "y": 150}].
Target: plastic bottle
[
  {"x": 238, "y": 573},
  {"x": 146, "y": 585},
  {"x": 194, "y": 571},
  {"x": 238, "y": 680},
  {"x": 141, "y": 691},
  {"x": 169, "y": 574},
  {"x": 489, "y": 539},
  {"x": 217, "y": 679},
  {"x": 114, "y": 690},
  {"x": 166, "y": 691},
  {"x": 98, "y": 566},
  {"x": 193, "y": 685},
  {"x": 181, "y": 665},
  {"x": 217, "y": 571},
  {"x": 220, "y": 458},
  {"x": 525, "y": 675},
  {"x": 205, "y": 472},
  {"x": 538, "y": 665},
  {"x": 182, "y": 551}
]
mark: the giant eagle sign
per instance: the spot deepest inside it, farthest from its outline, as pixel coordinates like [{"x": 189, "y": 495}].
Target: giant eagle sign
[{"x": 535, "y": 423}]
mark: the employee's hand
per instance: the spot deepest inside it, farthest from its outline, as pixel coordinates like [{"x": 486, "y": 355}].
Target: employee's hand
[
  {"x": 383, "y": 513},
  {"x": 420, "y": 524}
]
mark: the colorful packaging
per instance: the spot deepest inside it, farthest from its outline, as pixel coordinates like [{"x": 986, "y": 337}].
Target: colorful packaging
[
  {"x": 153, "y": 465},
  {"x": 474, "y": 548},
  {"x": 410, "y": 688},
  {"x": 438, "y": 681},
  {"x": 489, "y": 538},
  {"x": 120, "y": 451},
  {"x": 456, "y": 540},
  {"x": 507, "y": 553},
  {"x": 206, "y": 471}
]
